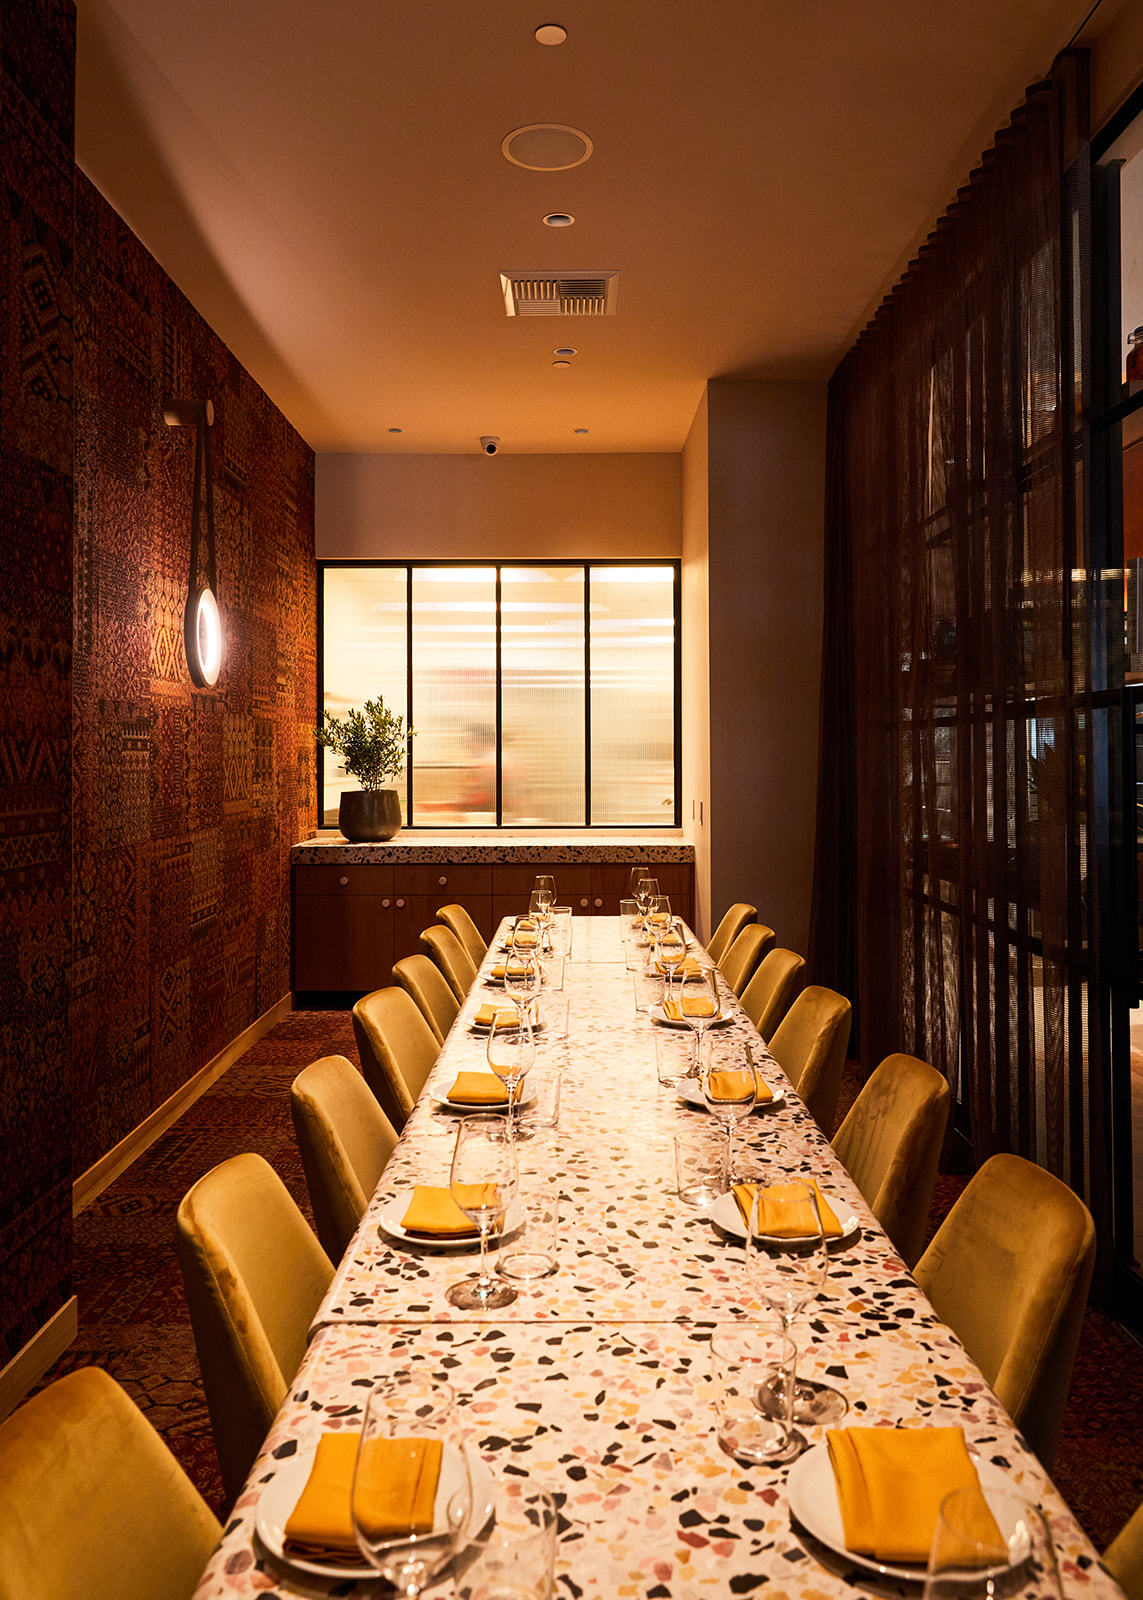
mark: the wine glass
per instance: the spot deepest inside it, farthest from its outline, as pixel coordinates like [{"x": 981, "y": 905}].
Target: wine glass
[
  {"x": 672, "y": 951},
  {"x": 646, "y": 888},
  {"x": 483, "y": 1183},
  {"x": 730, "y": 1094},
  {"x": 786, "y": 1266},
  {"x": 523, "y": 979},
  {"x": 539, "y": 911},
  {"x": 658, "y": 916},
  {"x": 545, "y": 885},
  {"x": 511, "y": 1053},
  {"x": 525, "y": 936},
  {"x": 968, "y": 1562},
  {"x": 699, "y": 1006},
  {"x": 410, "y": 1434}
]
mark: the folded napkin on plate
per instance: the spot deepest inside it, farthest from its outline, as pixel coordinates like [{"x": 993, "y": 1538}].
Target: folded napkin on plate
[
  {"x": 802, "y": 1224},
  {"x": 890, "y": 1484},
  {"x": 478, "y": 1089},
  {"x": 735, "y": 1085},
  {"x": 483, "y": 1018},
  {"x": 689, "y": 1006},
  {"x": 435, "y": 1212},
  {"x": 525, "y": 941},
  {"x": 501, "y": 968},
  {"x": 400, "y": 1488},
  {"x": 690, "y": 968}
]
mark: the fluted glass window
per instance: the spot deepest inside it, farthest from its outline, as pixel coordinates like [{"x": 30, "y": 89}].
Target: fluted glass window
[{"x": 542, "y": 694}]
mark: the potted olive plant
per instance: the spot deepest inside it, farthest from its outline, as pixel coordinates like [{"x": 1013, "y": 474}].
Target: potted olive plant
[{"x": 373, "y": 747}]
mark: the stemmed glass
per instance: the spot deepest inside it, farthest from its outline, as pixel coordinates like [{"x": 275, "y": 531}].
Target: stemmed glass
[
  {"x": 968, "y": 1562},
  {"x": 699, "y": 1006},
  {"x": 786, "y": 1266},
  {"x": 646, "y": 888},
  {"x": 410, "y": 1435},
  {"x": 483, "y": 1181},
  {"x": 523, "y": 979},
  {"x": 511, "y": 1053},
  {"x": 730, "y": 1093},
  {"x": 545, "y": 888},
  {"x": 671, "y": 948}
]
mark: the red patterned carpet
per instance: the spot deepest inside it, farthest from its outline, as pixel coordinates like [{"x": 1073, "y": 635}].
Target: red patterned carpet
[{"x": 133, "y": 1319}]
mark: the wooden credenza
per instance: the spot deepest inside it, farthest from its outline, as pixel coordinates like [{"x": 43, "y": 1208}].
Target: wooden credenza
[{"x": 359, "y": 908}]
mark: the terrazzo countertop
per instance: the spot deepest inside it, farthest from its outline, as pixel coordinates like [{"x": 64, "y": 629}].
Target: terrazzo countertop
[{"x": 482, "y": 847}]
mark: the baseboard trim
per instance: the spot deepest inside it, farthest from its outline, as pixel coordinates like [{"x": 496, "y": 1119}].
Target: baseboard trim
[
  {"x": 92, "y": 1183},
  {"x": 41, "y": 1352}
]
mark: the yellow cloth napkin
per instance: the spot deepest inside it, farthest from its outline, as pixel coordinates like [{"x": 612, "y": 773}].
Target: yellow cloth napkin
[
  {"x": 689, "y": 1006},
  {"x": 483, "y": 1018},
  {"x": 802, "y": 1225},
  {"x": 400, "y": 1484},
  {"x": 501, "y": 968},
  {"x": 690, "y": 968},
  {"x": 890, "y": 1484},
  {"x": 478, "y": 1089},
  {"x": 736, "y": 1086},
  {"x": 435, "y": 1212},
  {"x": 525, "y": 941}
]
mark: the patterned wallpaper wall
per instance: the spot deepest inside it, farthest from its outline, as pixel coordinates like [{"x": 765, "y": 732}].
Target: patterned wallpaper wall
[
  {"x": 37, "y": 61},
  {"x": 186, "y": 801}
]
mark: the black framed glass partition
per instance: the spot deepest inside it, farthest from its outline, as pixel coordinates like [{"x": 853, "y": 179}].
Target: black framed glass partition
[{"x": 543, "y": 694}]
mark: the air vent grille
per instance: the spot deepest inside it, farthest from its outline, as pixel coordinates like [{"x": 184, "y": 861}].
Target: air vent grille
[{"x": 560, "y": 294}]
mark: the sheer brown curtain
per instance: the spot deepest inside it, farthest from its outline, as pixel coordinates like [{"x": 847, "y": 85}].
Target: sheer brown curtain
[{"x": 955, "y": 892}]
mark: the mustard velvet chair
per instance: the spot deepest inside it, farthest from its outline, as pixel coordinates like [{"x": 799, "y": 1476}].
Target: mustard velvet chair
[
  {"x": 809, "y": 1045},
  {"x": 94, "y": 1504},
  {"x": 470, "y": 936},
  {"x": 773, "y": 989},
  {"x": 451, "y": 957},
  {"x": 728, "y": 929},
  {"x": 890, "y": 1144},
  {"x": 739, "y": 963},
  {"x": 344, "y": 1139},
  {"x": 424, "y": 981},
  {"x": 254, "y": 1276},
  {"x": 1124, "y": 1557},
  {"x": 1009, "y": 1270},
  {"x": 398, "y": 1050}
]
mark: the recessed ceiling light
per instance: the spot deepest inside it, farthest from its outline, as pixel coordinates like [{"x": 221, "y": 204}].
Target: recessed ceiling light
[
  {"x": 566, "y": 350},
  {"x": 579, "y": 430},
  {"x": 550, "y": 33},
  {"x": 561, "y": 363},
  {"x": 396, "y": 430},
  {"x": 558, "y": 219}
]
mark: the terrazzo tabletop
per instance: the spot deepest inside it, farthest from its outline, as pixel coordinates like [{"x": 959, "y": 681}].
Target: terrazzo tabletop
[{"x": 596, "y": 1382}]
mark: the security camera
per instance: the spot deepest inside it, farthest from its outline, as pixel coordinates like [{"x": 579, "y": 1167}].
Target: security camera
[{"x": 490, "y": 443}]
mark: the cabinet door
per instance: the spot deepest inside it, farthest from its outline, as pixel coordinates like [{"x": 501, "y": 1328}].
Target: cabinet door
[
  {"x": 512, "y": 886},
  {"x": 611, "y": 882},
  {"x": 343, "y": 928},
  {"x": 420, "y": 891}
]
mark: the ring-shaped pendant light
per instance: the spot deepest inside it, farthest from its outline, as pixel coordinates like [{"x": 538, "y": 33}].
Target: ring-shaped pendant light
[{"x": 202, "y": 621}]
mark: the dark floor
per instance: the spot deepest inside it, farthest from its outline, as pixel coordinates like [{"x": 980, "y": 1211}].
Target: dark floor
[{"x": 133, "y": 1318}]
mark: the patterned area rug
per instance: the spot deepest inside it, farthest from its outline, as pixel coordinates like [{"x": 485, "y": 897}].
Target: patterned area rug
[{"x": 133, "y": 1318}]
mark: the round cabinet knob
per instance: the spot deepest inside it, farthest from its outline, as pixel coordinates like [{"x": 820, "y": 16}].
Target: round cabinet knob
[
  {"x": 400, "y": 902},
  {"x": 583, "y": 902},
  {"x": 385, "y": 903},
  {"x": 343, "y": 881},
  {"x": 599, "y": 902},
  {"x": 442, "y": 880}
]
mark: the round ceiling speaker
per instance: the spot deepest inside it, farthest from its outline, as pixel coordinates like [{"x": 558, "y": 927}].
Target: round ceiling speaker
[{"x": 546, "y": 147}]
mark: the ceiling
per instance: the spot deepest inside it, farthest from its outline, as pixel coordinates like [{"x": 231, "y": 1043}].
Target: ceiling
[{"x": 325, "y": 183}]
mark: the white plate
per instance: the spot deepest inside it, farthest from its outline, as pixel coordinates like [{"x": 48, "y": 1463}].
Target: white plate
[
  {"x": 689, "y": 1091},
  {"x": 486, "y": 1027},
  {"x": 389, "y": 1221},
  {"x": 724, "y": 1213},
  {"x": 466, "y": 1108},
  {"x": 280, "y": 1496},
  {"x": 657, "y": 1014},
  {"x": 812, "y": 1493}
]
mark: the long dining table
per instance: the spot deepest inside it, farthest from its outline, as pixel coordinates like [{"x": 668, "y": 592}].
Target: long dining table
[{"x": 595, "y": 1383}]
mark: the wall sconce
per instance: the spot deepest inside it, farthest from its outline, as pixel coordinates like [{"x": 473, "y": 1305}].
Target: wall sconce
[{"x": 202, "y": 624}]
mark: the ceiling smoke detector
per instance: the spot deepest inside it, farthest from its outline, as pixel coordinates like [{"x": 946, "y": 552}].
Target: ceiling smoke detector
[
  {"x": 560, "y": 294},
  {"x": 546, "y": 147}
]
